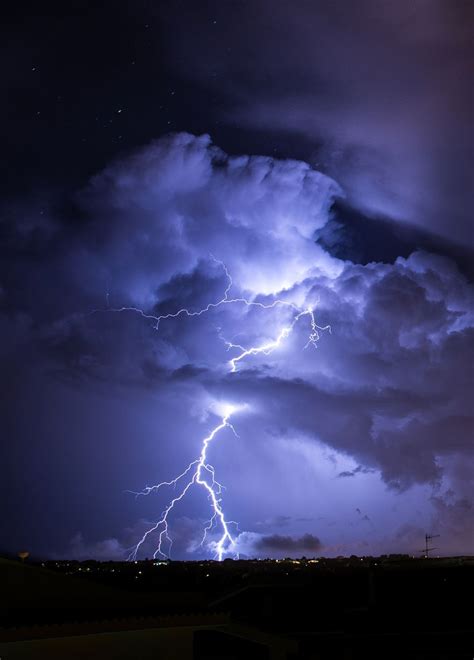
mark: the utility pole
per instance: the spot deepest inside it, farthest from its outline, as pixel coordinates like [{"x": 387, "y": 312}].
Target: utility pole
[{"x": 427, "y": 549}]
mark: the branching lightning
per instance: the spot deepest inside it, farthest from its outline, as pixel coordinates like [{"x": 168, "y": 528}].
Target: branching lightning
[
  {"x": 270, "y": 346},
  {"x": 200, "y": 472},
  {"x": 225, "y": 300}
]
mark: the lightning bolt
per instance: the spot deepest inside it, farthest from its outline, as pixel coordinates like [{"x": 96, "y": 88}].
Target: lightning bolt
[
  {"x": 225, "y": 300},
  {"x": 270, "y": 346},
  {"x": 200, "y": 472}
]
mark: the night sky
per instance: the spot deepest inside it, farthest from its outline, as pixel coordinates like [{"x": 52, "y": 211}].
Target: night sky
[{"x": 322, "y": 151}]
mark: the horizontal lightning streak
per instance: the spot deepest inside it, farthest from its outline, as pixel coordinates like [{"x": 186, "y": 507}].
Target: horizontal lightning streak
[{"x": 184, "y": 311}]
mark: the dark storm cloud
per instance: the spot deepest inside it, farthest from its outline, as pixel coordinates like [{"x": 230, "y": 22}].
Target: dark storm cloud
[
  {"x": 106, "y": 550},
  {"x": 352, "y": 473},
  {"x": 185, "y": 533},
  {"x": 377, "y": 91},
  {"x": 276, "y": 543},
  {"x": 390, "y": 387}
]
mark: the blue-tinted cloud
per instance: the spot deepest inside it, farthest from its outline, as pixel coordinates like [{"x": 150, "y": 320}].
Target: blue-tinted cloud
[{"x": 385, "y": 397}]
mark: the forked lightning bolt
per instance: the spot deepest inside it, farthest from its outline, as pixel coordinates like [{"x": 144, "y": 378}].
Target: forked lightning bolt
[
  {"x": 225, "y": 300},
  {"x": 200, "y": 472},
  {"x": 270, "y": 346}
]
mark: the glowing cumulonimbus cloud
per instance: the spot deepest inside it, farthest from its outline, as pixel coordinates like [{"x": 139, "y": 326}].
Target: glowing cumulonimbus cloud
[{"x": 200, "y": 472}]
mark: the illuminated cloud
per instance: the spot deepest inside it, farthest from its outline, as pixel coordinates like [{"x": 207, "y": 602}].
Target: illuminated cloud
[
  {"x": 385, "y": 397},
  {"x": 375, "y": 95}
]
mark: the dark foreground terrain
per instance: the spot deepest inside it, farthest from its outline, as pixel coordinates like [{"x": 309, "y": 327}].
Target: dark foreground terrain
[{"x": 392, "y": 607}]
